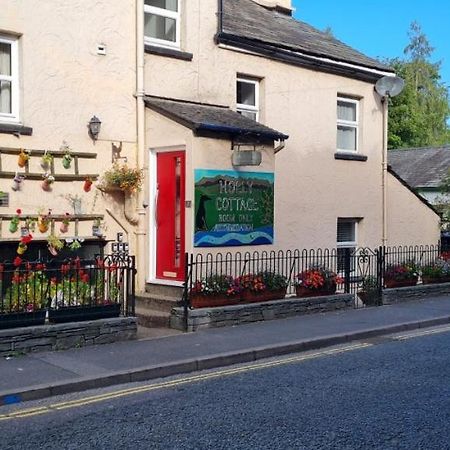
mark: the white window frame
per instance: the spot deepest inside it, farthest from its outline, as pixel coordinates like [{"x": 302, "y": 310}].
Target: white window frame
[
  {"x": 348, "y": 123},
  {"x": 167, "y": 14},
  {"x": 347, "y": 244},
  {"x": 13, "y": 78},
  {"x": 241, "y": 107}
]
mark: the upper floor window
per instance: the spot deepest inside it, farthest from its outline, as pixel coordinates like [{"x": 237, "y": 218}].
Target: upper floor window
[
  {"x": 9, "y": 80},
  {"x": 347, "y": 124},
  {"x": 247, "y": 97},
  {"x": 162, "y": 22}
]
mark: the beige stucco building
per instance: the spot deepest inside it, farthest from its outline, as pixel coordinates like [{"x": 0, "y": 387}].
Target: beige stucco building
[{"x": 166, "y": 79}]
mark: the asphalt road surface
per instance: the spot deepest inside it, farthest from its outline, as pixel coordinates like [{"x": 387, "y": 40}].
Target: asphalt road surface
[{"x": 382, "y": 394}]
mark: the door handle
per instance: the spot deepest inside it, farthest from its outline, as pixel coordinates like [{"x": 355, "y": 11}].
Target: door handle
[{"x": 156, "y": 205}]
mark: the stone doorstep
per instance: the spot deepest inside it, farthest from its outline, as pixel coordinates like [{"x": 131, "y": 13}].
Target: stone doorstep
[
  {"x": 255, "y": 312},
  {"x": 68, "y": 335}
]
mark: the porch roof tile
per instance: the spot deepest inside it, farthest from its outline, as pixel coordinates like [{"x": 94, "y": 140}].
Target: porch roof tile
[{"x": 213, "y": 120}]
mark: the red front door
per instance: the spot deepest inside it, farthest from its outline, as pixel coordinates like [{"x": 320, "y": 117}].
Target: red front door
[{"x": 170, "y": 216}]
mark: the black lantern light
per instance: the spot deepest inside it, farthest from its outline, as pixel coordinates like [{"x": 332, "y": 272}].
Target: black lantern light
[{"x": 94, "y": 127}]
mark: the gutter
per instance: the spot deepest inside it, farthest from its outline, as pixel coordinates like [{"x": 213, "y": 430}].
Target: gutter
[
  {"x": 299, "y": 59},
  {"x": 140, "y": 212}
]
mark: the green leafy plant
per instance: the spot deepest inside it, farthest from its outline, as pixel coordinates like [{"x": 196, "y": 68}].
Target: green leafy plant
[
  {"x": 439, "y": 269},
  {"x": 401, "y": 272},
  {"x": 29, "y": 289},
  {"x": 273, "y": 281},
  {"x": 123, "y": 177},
  {"x": 216, "y": 285},
  {"x": 317, "y": 278}
]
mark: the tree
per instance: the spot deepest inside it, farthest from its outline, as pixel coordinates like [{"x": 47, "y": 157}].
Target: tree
[{"x": 419, "y": 116}]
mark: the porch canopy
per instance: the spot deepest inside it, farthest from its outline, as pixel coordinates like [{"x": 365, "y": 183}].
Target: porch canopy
[{"x": 214, "y": 121}]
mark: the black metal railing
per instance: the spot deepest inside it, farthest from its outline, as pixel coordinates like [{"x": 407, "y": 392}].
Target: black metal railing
[
  {"x": 352, "y": 270},
  {"x": 56, "y": 285}
]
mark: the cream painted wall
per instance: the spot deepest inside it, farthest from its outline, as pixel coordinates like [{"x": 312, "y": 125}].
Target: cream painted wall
[
  {"x": 312, "y": 188},
  {"x": 409, "y": 219},
  {"x": 63, "y": 83},
  {"x": 163, "y": 134}
]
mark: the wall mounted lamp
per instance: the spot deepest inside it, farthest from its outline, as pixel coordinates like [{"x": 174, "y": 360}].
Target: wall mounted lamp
[{"x": 94, "y": 127}]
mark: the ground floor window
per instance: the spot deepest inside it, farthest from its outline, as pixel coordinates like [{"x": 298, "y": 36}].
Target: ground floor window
[{"x": 346, "y": 239}]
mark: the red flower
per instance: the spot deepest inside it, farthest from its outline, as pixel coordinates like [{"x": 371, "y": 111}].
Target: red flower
[
  {"x": 18, "y": 211},
  {"x": 85, "y": 278},
  {"x": 53, "y": 280},
  {"x": 40, "y": 267},
  {"x": 16, "y": 279},
  {"x": 65, "y": 268},
  {"x": 17, "y": 261},
  {"x": 28, "y": 266},
  {"x": 77, "y": 262}
]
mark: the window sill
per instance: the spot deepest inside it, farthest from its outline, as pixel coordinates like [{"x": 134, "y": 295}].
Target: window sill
[
  {"x": 350, "y": 156},
  {"x": 169, "y": 52},
  {"x": 16, "y": 129}
]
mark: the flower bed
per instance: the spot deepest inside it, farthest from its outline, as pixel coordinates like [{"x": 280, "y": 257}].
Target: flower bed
[
  {"x": 400, "y": 275},
  {"x": 71, "y": 291},
  {"x": 222, "y": 290},
  {"x": 315, "y": 282}
]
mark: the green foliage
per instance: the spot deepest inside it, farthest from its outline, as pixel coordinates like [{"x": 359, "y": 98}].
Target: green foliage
[
  {"x": 418, "y": 116},
  {"x": 124, "y": 178}
]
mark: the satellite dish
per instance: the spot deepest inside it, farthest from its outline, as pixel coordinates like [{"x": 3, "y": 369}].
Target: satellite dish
[{"x": 389, "y": 86}]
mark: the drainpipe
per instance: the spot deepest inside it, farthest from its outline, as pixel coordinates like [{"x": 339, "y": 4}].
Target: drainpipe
[
  {"x": 384, "y": 165},
  {"x": 140, "y": 248}
]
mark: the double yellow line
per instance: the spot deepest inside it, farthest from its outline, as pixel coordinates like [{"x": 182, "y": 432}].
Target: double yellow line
[
  {"x": 174, "y": 383},
  {"x": 421, "y": 333}
]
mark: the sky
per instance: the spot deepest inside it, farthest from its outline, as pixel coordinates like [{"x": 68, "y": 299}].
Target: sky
[{"x": 380, "y": 28}]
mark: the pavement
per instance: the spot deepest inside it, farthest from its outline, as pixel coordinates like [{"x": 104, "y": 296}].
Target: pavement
[{"x": 40, "y": 375}]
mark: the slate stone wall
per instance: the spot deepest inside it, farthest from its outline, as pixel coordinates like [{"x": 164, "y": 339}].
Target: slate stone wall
[
  {"x": 68, "y": 335},
  {"x": 255, "y": 312},
  {"x": 404, "y": 294}
]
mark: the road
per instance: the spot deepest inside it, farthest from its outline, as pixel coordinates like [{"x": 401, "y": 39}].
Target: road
[{"x": 381, "y": 394}]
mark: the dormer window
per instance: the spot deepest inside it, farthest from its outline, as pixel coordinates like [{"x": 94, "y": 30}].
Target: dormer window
[{"x": 162, "y": 23}]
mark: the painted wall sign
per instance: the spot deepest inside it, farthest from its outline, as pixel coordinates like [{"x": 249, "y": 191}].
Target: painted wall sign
[{"x": 233, "y": 208}]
